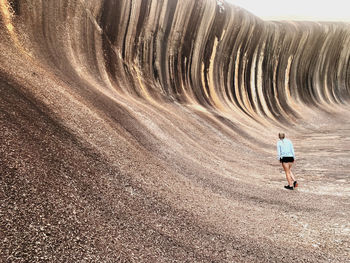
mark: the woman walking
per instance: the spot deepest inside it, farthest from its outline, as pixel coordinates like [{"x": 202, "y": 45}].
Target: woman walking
[{"x": 286, "y": 157}]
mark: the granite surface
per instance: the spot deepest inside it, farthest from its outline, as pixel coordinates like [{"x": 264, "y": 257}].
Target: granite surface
[{"x": 145, "y": 131}]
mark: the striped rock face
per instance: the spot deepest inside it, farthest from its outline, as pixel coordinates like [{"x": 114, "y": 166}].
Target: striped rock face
[{"x": 146, "y": 130}]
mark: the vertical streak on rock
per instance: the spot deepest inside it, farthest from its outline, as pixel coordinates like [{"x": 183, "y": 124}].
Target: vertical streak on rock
[
  {"x": 163, "y": 45},
  {"x": 6, "y": 15},
  {"x": 253, "y": 83},
  {"x": 260, "y": 84},
  {"x": 289, "y": 99},
  {"x": 216, "y": 100}
]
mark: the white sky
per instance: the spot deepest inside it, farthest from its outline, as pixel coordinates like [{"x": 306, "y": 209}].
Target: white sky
[{"x": 319, "y": 10}]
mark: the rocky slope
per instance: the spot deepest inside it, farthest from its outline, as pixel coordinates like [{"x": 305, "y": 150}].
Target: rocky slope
[{"x": 145, "y": 131}]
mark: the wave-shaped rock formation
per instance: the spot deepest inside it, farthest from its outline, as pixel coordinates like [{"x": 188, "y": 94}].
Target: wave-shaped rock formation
[{"x": 145, "y": 131}]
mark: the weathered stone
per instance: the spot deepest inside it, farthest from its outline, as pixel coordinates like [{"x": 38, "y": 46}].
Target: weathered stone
[{"x": 145, "y": 130}]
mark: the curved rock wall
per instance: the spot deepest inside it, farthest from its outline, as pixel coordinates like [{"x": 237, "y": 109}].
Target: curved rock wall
[
  {"x": 204, "y": 52},
  {"x": 145, "y": 130}
]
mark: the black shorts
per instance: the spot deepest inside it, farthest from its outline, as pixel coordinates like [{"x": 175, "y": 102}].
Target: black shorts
[{"x": 287, "y": 159}]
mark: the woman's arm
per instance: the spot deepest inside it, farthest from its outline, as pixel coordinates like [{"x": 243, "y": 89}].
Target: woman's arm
[{"x": 278, "y": 150}]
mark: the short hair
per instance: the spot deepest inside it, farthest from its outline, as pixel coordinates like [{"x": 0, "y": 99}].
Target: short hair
[{"x": 281, "y": 135}]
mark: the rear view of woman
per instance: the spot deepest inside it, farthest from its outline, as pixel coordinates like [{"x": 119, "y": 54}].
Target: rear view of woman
[{"x": 286, "y": 156}]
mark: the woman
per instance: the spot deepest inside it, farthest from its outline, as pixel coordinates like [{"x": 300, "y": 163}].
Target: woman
[{"x": 286, "y": 156}]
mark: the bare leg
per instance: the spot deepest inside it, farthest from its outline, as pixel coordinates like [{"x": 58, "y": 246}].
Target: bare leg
[
  {"x": 290, "y": 170},
  {"x": 287, "y": 171}
]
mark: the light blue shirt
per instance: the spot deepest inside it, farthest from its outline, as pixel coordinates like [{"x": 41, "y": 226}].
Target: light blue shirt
[{"x": 285, "y": 149}]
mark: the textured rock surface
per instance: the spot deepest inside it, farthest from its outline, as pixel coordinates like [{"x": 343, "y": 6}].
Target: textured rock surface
[{"x": 145, "y": 131}]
